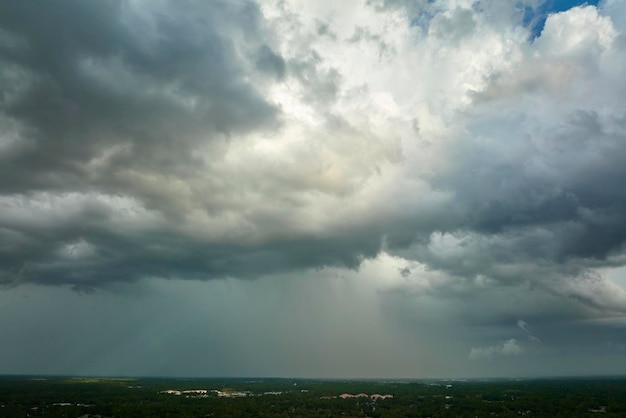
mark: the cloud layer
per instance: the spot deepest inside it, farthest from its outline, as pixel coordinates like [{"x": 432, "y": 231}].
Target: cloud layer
[{"x": 239, "y": 139}]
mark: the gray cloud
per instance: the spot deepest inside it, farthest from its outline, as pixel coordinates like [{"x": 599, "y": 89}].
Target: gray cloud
[
  {"x": 269, "y": 61},
  {"x": 157, "y": 84}
]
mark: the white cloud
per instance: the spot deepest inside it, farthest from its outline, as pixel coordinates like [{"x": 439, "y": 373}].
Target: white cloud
[{"x": 505, "y": 348}]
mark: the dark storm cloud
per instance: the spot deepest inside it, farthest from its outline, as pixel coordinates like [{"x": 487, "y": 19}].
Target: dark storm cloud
[
  {"x": 554, "y": 199},
  {"x": 418, "y": 177},
  {"x": 110, "y": 107},
  {"x": 84, "y": 244},
  {"x": 538, "y": 233},
  {"x": 190, "y": 140},
  {"x": 132, "y": 90},
  {"x": 90, "y": 76}
]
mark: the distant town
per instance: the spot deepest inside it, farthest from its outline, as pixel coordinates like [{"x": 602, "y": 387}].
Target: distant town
[{"x": 204, "y": 393}]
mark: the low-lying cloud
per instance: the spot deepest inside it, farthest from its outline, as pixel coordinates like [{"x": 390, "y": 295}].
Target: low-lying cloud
[{"x": 505, "y": 348}]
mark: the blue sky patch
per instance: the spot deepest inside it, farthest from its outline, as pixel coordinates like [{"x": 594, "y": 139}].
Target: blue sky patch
[{"x": 536, "y": 19}]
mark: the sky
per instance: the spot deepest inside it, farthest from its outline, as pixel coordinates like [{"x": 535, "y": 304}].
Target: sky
[{"x": 328, "y": 189}]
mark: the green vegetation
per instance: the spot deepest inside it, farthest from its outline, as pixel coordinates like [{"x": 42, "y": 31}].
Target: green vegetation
[{"x": 82, "y": 397}]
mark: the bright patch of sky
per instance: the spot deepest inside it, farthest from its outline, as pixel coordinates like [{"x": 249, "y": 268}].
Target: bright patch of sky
[{"x": 535, "y": 17}]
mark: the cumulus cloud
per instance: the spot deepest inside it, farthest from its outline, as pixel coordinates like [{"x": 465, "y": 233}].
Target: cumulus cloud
[{"x": 505, "y": 348}]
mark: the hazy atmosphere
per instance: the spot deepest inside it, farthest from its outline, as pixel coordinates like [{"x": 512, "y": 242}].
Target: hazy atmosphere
[{"x": 329, "y": 188}]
